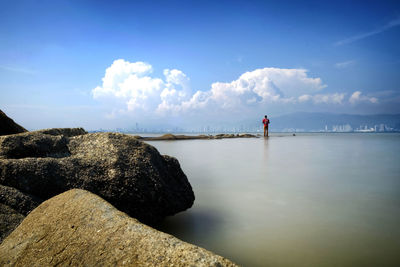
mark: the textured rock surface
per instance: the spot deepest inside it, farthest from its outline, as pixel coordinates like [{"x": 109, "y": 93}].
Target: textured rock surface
[
  {"x": 14, "y": 206},
  {"x": 42, "y": 143},
  {"x": 9, "y": 219},
  {"x": 15, "y": 199},
  {"x": 69, "y": 132},
  {"x": 80, "y": 229},
  {"x": 128, "y": 173},
  {"x": 8, "y": 126}
]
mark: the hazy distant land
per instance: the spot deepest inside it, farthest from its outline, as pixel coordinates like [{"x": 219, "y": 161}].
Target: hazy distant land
[{"x": 293, "y": 122}]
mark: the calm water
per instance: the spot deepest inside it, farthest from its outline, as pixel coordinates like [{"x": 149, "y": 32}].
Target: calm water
[{"x": 305, "y": 200}]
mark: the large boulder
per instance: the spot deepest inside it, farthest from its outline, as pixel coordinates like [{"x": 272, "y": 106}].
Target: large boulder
[
  {"x": 8, "y": 126},
  {"x": 128, "y": 173},
  {"x": 79, "y": 228},
  {"x": 69, "y": 132}
]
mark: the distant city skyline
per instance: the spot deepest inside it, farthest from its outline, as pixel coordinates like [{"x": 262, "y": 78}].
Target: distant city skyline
[
  {"x": 312, "y": 122},
  {"x": 183, "y": 64},
  {"x": 345, "y": 128}
]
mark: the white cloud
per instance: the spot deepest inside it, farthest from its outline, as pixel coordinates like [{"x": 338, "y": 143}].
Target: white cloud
[
  {"x": 260, "y": 86},
  {"x": 304, "y": 98},
  {"x": 132, "y": 84},
  {"x": 357, "y": 97},
  {"x": 176, "y": 91},
  {"x": 336, "y": 98},
  {"x": 329, "y": 98},
  {"x": 133, "y": 90},
  {"x": 123, "y": 79}
]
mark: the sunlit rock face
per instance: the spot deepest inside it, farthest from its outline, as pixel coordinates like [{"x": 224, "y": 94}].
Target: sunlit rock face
[{"x": 80, "y": 228}]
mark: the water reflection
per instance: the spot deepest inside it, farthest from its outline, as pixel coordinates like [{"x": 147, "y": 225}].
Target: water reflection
[
  {"x": 193, "y": 223},
  {"x": 265, "y": 150}
]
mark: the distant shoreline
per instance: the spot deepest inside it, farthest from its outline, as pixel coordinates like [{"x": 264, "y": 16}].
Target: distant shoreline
[{"x": 192, "y": 137}]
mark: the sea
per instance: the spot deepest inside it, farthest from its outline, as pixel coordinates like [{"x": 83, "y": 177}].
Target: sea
[{"x": 311, "y": 199}]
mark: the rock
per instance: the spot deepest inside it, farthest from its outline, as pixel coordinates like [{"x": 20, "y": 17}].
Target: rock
[
  {"x": 8, "y": 126},
  {"x": 245, "y": 135},
  {"x": 69, "y": 132},
  {"x": 15, "y": 199},
  {"x": 128, "y": 173},
  {"x": 219, "y": 136},
  {"x": 33, "y": 144},
  {"x": 79, "y": 228},
  {"x": 14, "y": 206},
  {"x": 166, "y": 137},
  {"x": 42, "y": 143},
  {"x": 174, "y": 137},
  {"x": 9, "y": 220}
]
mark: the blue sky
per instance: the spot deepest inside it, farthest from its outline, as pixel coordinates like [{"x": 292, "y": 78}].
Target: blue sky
[{"x": 179, "y": 63}]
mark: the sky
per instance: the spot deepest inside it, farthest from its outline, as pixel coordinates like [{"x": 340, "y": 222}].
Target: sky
[{"x": 119, "y": 64}]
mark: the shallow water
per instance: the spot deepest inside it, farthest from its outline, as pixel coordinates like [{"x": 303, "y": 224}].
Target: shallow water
[{"x": 305, "y": 200}]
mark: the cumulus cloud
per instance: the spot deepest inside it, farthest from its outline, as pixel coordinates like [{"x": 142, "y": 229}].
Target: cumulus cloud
[
  {"x": 176, "y": 90},
  {"x": 357, "y": 97},
  {"x": 132, "y": 84},
  {"x": 128, "y": 81},
  {"x": 254, "y": 88},
  {"x": 137, "y": 91}
]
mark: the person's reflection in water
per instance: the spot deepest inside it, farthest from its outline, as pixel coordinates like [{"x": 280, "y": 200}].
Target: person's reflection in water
[{"x": 265, "y": 149}]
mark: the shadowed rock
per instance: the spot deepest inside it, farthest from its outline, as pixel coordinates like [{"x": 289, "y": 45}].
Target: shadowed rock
[
  {"x": 128, "y": 173},
  {"x": 14, "y": 206},
  {"x": 80, "y": 228},
  {"x": 9, "y": 219},
  {"x": 8, "y": 126},
  {"x": 15, "y": 199}
]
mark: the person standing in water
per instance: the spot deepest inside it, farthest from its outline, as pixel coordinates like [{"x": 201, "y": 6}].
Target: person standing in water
[{"x": 265, "y": 122}]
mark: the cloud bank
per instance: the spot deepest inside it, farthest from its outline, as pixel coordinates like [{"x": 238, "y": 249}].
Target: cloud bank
[{"x": 131, "y": 88}]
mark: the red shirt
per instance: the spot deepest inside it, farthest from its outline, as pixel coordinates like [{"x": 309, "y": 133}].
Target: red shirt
[{"x": 265, "y": 122}]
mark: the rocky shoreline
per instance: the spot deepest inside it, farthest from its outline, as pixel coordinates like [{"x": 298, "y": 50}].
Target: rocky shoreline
[
  {"x": 68, "y": 197},
  {"x": 167, "y": 137}
]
